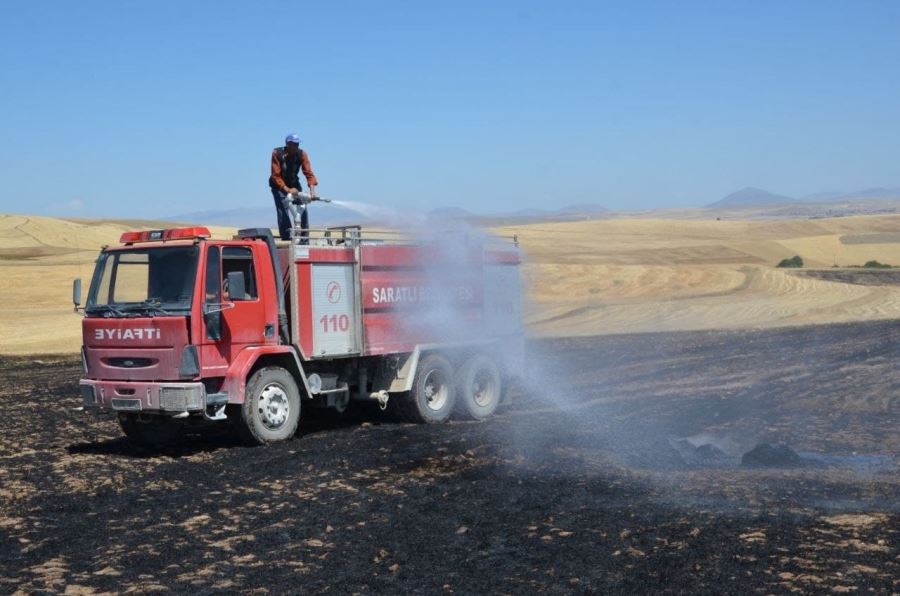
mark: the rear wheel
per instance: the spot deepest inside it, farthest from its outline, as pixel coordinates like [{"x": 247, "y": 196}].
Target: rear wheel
[
  {"x": 154, "y": 433},
  {"x": 480, "y": 388},
  {"x": 271, "y": 408},
  {"x": 433, "y": 394}
]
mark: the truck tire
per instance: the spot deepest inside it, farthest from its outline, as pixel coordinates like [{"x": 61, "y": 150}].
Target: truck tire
[
  {"x": 433, "y": 395},
  {"x": 271, "y": 408},
  {"x": 480, "y": 388},
  {"x": 155, "y": 433}
]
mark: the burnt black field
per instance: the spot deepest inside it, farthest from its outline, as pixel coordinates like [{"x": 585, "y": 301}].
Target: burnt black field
[{"x": 617, "y": 469}]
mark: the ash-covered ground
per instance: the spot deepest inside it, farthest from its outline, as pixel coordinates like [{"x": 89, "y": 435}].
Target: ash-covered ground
[{"x": 617, "y": 469}]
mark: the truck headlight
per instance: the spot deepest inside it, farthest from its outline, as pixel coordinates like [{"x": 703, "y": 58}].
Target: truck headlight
[{"x": 181, "y": 399}]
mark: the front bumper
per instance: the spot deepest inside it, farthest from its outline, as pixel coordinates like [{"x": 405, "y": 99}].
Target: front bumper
[{"x": 151, "y": 397}]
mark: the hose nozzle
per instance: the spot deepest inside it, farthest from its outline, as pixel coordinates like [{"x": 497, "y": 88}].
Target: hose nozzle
[{"x": 304, "y": 198}]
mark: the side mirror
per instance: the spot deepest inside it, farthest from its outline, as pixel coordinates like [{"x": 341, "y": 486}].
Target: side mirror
[
  {"x": 76, "y": 292},
  {"x": 237, "y": 289}
]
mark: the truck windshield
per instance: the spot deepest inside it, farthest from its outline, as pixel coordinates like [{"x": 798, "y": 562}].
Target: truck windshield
[{"x": 143, "y": 282}]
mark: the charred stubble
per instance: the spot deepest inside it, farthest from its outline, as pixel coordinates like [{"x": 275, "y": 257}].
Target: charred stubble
[{"x": 597, "y": 497}]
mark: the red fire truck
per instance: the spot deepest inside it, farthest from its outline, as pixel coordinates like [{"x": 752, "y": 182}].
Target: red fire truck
[{"x": 182, "y": 329}]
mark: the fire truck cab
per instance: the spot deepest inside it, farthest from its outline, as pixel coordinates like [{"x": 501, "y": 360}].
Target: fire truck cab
[{"x": 182, "y": 329}]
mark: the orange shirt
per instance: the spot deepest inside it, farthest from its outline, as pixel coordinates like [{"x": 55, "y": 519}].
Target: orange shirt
[{"x": 278, "y": 181}]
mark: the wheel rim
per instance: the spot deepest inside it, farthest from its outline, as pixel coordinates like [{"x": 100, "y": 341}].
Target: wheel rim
[
  {"x": 273, "y": 406},
  {"x": 436, "y": 390},
  {"x": 482, "y": 389}
]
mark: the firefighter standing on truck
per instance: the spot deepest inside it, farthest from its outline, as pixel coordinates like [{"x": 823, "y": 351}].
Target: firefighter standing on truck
[{"x": 287, "y": 162}]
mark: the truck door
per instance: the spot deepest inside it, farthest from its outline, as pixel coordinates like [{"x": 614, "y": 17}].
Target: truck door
[{"x": 244, "y": 323}]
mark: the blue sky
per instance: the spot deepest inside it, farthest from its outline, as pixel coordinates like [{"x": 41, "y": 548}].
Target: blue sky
[{"x": 159, "y": 108}]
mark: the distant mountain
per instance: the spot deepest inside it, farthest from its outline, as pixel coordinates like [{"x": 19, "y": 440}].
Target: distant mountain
[
  {"x": 823, "y": 197},
  {"x": 323, "y": 215},
  {"x": 749, "y": 197},
  {"x": 873, "y": 193},
  {"x": 526, "y": 213},
  {"x": 449, "y": 213},
  {"x": 320, "y": 214},
  {"x": 584, "y": 208}
]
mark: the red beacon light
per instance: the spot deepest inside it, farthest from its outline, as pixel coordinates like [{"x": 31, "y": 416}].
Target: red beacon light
[
  {"x": 185, "y": 233},
  {"x": 163, "y": 235}
]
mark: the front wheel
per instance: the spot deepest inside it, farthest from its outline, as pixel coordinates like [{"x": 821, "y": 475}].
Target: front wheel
[
  {"x": 154, "y": 433},
  {"x": 480, "y": 388},
  {"x": 271, "y": 408}
]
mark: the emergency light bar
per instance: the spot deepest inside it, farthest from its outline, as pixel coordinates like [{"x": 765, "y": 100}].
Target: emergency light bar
[{"x": 163, "y": 235}]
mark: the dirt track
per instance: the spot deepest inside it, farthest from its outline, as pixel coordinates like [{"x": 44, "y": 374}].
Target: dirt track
[{"x": 585, "y": 488}]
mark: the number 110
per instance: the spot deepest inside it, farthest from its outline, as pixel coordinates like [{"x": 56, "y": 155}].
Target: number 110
[{"x": 335, "y": 323}]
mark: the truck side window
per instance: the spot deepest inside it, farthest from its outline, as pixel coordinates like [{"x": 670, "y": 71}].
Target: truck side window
[
  {"x": 235, "y": 258},
  {"x": 213, "y": 276}
]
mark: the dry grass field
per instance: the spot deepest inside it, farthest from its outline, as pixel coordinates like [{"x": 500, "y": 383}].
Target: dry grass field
[
  {"x": 584, "y": 278},
  {"x": 39, "y": 258},
  {"x": 640, "y": 275}
]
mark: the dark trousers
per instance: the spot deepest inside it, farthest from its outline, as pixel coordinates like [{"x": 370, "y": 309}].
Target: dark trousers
[{"x": 284, "y": 217}]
